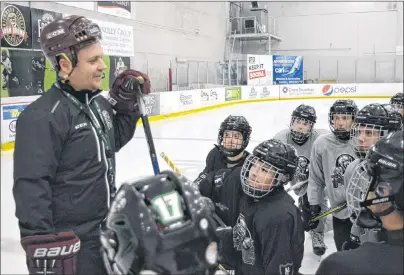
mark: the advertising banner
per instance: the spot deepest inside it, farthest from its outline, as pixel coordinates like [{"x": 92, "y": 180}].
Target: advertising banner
[
  {"x": 306, "y": 90},
  {"x": 259, "y": 70},
  {"x": 152, "y": 102},
  {"x": 257, "y": 92},
  {"x": 187, "y": 100},
  {"x": 209, "y": 97},
  {"x": 117, "y": 8},
  {"x": 287, "y": 69},
  {"x": 39, "y": 19},
  {"x": 9, "y": 115},
  {"x": 232, "y": 93},
  {"x": 15, "y": 26},
  {"x": 117, "y": 39}
]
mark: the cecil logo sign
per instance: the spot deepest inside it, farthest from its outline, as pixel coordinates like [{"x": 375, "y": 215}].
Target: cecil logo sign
[{"x": 338, "y": 90}]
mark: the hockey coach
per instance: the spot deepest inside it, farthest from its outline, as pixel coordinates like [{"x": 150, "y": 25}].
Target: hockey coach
[{"x": 64, "y": 158}]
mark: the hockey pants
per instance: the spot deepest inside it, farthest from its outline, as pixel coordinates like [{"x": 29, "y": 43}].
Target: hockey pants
[{"x": 342, "y": 230}]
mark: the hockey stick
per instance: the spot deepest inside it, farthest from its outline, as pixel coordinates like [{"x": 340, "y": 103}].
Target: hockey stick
[
  {"x": 330, "y": 211},
  {"x": 147, "y": 130},
  {"x": 297, "y": 186},
  {"x": 215, "y": 216}
]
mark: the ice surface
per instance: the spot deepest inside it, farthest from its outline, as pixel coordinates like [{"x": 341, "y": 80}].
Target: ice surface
[{"x": 186, "y": 141}]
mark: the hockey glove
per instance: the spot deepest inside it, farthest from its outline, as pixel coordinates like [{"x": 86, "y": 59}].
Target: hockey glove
[
  {"x": 52, "y": 254},
  {"x": 224, "y": 235},
  {"x": 309, "y": 214},
  {"x": 352, "y": 243},
  {"x": 126, "y": 88}
]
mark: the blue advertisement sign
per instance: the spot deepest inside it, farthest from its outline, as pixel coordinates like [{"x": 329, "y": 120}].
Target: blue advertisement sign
[{"x": 287, "y": 69}]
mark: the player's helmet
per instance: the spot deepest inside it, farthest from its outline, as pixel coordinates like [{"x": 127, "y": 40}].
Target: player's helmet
[
  {"x": 343, "y": 107},
  {"x": 162, "y": 224},
  {"x": 65, "y": 37},
  {"x": 306, "y": 115},
  {"x": 373, "y": 120},
  {"x": 397, "y": 100},
  {"x": 271, "y": 165},
  {"x": 378, "y": 179},
  {"x": 238, "y": 124}
]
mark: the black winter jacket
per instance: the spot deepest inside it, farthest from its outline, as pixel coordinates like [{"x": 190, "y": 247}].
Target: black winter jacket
[{"x": 60, "y": 180}]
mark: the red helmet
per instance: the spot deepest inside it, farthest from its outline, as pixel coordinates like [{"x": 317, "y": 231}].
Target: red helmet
[{"x": 65, "y": 37}]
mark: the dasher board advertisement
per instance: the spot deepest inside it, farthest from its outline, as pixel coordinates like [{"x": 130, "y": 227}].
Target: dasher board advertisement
[
  {"x": 288, "y": 69},
  {"x": 259, "y": 70}
]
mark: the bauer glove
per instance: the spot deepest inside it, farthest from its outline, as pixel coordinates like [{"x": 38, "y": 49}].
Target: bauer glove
[
  {"x": 127, "y": 87},
  {"x": 52, "y": 254}
]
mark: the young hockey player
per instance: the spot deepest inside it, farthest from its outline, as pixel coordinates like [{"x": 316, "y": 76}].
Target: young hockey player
[
  {"x": 301, "y": 135},
  {"x": 268, "y": 236},
  {"x": 377, "y": 190},
  {"x": 372, "y": 122},
  {"x": 65, "y": 145},
  {"x": 330, "y": 156},
  {"x": 397, "y": 101},
  {"x": 160, "y": 224},
  {"x": 233, "y": 138}
]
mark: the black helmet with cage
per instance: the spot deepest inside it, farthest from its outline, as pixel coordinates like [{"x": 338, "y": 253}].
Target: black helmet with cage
[
  {"x": 234, "y": 124},
  {"x": 397, "y": 101},
  {"x": 271, "y": 165},
  {"x": 303, "y": 114},
  {"x": 161, "y": 224},
  {"x": 373, "y": 121},
  {"x": 378, "y": 179},
  {"x": 342, "y": 107},
  {"x": 64, "y": 37}
]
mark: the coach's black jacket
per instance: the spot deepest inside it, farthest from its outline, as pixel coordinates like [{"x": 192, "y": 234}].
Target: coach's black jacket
[{"x": 60, "y": 179}]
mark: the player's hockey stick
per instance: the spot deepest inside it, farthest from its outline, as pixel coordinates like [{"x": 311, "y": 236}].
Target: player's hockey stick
[
  {"x": 297, "y": 186},
  {"x": 215, "y": 216},
  {"x": 147, "y": 130},
  {"x": 328, "y": 212}
]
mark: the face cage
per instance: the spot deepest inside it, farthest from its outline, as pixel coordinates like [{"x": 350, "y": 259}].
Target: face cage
[
  {"x": 252, "y": 177},
  {"x": 299, "y": 136},
  {"x": 339, "y": 133},
  {"x": 357, "y": 191},
  {"x": 236, "y": 145},
  {"x": 355, "y": 133}
]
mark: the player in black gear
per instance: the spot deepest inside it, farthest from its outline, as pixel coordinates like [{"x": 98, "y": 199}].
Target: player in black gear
[
  {"x": 161, "y": 224},
  {"x": 378, "y": 197},
  {"x": 397, "y": 101},
  {"x": 268, "y": 237},
  {"x": 233, "y": 138},
  {"x": 372, "y": 122}
]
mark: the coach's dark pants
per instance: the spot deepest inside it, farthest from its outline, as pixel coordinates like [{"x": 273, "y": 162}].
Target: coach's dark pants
[
  {"x": 89, "y": 259},
  {"x": 342, "y": 230}
]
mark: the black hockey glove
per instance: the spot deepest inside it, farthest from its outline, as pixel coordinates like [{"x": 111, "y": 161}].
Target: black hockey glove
[
  {"x": 352, "y": 243},
  {"x": 309, "y": 214},
  {"x": 52, "y": 254}
]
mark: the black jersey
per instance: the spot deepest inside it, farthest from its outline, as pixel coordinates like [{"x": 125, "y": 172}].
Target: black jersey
[{"x": 369, "y": 258}]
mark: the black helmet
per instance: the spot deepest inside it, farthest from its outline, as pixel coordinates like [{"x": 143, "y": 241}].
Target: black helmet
[
  {"x": 66, "y": 36},
  {"x": 273, "y": 160},
  {"x": 344, "y": 107},
  {"x": 159, "y": 223},
  {"x": 381, "y": 175},
  {"x": 379, "y": 119},
  {"x": 397, "y": 100},
  {"x": 304, "y": 114},
  {"x": 238, "y": 124}
]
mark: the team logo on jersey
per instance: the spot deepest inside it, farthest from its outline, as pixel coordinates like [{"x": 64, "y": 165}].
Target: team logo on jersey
[
  {"x": 42, "y": 22},
  {"x": 243, "y": 242},
  {"x": 13, "y": 28},
  {"x": 286, "y": 269},
  {"x": 302, "y": 170},
  {"x": 107, "y": 120},
  {"x": 341, "y": 163}
]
